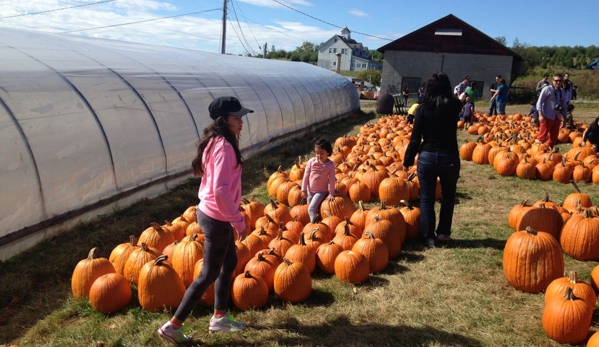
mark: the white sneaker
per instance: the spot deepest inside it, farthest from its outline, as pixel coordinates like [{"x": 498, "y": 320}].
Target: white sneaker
[
  {"x": 172, "y": 335},
  {"x": 226, "y": 323}
]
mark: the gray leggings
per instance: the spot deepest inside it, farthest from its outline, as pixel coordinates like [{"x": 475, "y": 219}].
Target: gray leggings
[{"x": 220, "y": 260}]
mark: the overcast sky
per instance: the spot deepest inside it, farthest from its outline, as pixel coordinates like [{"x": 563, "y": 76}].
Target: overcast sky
[{"x": 286, "y": 24}]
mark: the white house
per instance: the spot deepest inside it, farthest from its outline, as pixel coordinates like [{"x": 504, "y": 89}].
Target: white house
[{"x": 353, "y": 56}]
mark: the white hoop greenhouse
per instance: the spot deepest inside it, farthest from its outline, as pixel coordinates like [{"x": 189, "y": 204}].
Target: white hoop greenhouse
[{"x": 88, "y": 125}]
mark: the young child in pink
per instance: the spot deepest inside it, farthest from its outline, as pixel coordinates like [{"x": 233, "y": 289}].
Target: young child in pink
[{"x": 319, "y": 177}]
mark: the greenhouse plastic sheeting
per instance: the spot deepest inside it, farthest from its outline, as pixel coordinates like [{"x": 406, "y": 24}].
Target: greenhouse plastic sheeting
[{"x": 85, "y": 123}]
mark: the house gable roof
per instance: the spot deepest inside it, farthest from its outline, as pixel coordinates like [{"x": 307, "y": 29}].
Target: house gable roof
[
  {"x": 449, "y": 35},
  {"x": 329, "y": 42}
]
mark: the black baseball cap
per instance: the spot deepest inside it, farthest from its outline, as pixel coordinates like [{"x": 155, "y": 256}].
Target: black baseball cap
[{"x": 225, "y": 105}]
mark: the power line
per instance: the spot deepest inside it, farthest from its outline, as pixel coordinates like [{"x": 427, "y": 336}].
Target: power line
[
  {"x": 242, "y": 38},
  {"x": 58, "y": 9},
  {"x": 325, "y": 22},
  {"x": 246, "y": 20},
  {"x": 239, "y": 37},
  {"x": 142, "y": 21}
]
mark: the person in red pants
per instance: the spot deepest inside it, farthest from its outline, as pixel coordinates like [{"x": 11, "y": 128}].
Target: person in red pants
[{"x": 552, "y": 106}]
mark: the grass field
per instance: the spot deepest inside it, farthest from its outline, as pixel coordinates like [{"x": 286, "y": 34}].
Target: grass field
[{"x": 454, "y": 295}]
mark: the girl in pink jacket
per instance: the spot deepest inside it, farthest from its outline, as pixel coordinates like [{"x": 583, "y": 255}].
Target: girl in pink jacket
[
  {"x": 219, "y": 164},
  {"x": 319, "y": 178}
]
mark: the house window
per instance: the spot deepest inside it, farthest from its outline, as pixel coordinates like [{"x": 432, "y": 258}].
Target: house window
[
  {"x": 343, "y": 50},
  {"x": 330, "y": 50},
  {"x": 334, "y": 50},
  {"x": 364, "y": 65},
  {"x": 334, "y": 63}
]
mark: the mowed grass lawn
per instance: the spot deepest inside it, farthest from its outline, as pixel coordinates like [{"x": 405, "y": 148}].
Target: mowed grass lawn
[{"x": 453, "y": 295}]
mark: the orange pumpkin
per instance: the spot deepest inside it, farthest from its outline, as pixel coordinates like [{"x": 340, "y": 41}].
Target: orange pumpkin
[
  {"x": 159, "y": 286},
  {"x": 352, "y": 267},
  {"x": 292, "y": 281},
  {"x": 567, "y": 318},
  {"x": 249, "y": 291},
  {"x": 531, "y": 260},
  {"x": 110, "y": 293},
  {"x": 87, "y": 271}
]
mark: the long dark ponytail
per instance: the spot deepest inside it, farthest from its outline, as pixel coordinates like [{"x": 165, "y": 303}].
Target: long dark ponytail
[
  {"x": 218, "y": 128},
  {"x": 438, "y": 93}
]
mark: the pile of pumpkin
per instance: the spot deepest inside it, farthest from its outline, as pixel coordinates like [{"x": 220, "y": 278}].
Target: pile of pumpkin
[
  {"x": 533, "y": 262},
  {"x": 279, "y": 255},
  {"x": 283, "y": 247},
  {"x": 508, "y": 144}
]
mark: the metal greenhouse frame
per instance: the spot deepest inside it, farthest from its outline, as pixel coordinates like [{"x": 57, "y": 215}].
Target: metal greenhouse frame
[{"x": 90, "y": 125}]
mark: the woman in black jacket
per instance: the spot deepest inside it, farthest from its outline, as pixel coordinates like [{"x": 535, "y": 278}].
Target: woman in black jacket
[
  {"x": 591, "y": 134},
  {"x": 435, "y": 141}
]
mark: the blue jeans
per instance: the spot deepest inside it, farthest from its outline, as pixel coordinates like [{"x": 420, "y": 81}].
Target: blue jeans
[
  {"x": 314, "y": 201},
  {"x": 446, "y": 166},
  {"x": 493, "y": 107},
  {"x": 500, "y": 107}
]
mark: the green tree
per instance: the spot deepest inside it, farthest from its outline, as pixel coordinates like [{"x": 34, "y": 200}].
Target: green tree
[
  {"x": 502, "y": 40},
  {"x": 371, "y": 76},
  {"x": 308, "y": 47},
  {"x": 375, "y": 55},
  {"x": 530, "y": 55}
]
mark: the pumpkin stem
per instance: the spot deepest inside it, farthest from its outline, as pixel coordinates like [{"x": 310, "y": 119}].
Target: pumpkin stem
[
  {"x": 569, "y": 295},
  {"x": 530, "y": 230},
  {"x": 346, "y": 233},
  {"x": 317, "y": 218},
  {"x": 92, "y": 253},
  {"x": 302, "y": 241},
  {"x": 575, "y": 186},
  {"x": 573, "y": 277},
  {"x": 160, "y": 259}
]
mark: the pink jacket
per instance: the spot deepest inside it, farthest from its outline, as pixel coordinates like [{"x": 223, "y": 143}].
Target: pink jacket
[
  {"x": 319, "y": 177},
  {"x": 220, "y": 190}
]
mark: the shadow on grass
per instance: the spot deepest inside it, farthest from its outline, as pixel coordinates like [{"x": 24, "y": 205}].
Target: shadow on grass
[
  {"x": 342, "y": 332},
  {"x": 478, "y": 243}
]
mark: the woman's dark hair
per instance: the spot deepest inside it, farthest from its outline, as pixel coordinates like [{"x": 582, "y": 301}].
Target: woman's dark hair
[
  {"x": 324, "y": 144},
  {"x": 438, "y": 92},
  {"x": 218, "y": 127}
]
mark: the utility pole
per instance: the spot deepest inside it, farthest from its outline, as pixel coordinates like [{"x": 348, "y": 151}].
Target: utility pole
[
  {"x": 264, "y": 54},
  {"x": 224, "y": 38}
]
